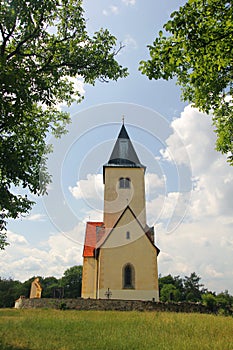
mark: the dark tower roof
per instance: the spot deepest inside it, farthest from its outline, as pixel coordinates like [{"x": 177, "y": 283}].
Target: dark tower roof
[{"x": 124, "y": 154}]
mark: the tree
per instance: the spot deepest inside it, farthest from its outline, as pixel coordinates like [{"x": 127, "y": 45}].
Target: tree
[
  {"x": 72, "y": 282},
  {"x": 171, "y": 288},
  {"x": 225, "y": 300},
  {"x": 169, "y": 293},
  {"x": 9, "y": 292},
  {"x": 44, "y": 45},
  {"x": 197, "y": 50},
  {"x": 49, "y": 285},
  {"x": 192, "y": 288},
  {"x": 210, "y": 301}
]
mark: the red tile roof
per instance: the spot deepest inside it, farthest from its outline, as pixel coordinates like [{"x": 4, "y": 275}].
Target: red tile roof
[{"x": 94, "y": 232}]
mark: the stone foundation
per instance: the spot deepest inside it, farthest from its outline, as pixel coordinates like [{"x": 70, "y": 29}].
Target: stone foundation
[{"x": 113, "y": 305}]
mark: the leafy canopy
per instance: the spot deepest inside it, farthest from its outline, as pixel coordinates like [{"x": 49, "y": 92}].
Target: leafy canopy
[
  {"x": 197, "y": 49},
  {"x": 43, "y": 45}
]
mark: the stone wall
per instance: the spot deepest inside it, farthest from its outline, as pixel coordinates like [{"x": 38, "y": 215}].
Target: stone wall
[{"x": 118, "y": 305}]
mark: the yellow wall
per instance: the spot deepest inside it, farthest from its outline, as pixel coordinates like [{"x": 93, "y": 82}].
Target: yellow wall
[
  {"x": 89, "y": 276},
  {"x": 116, "y": 199},
  {"x": 117, "y": 251}
]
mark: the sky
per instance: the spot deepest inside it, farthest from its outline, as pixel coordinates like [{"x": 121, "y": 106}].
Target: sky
[{"x": 188, "y": 184}]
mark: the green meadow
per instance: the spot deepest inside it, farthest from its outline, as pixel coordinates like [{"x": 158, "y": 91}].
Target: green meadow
[{"x": 77, "y": 330}]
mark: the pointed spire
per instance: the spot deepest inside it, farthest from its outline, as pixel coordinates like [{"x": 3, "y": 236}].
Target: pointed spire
[{"x": 123, "y": 152}]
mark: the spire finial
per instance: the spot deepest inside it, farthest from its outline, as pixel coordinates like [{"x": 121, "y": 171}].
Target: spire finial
[{"x": 123, "y": 119}]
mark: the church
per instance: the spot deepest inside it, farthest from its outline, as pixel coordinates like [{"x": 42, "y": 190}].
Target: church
[{"x": 119, "y": 255}]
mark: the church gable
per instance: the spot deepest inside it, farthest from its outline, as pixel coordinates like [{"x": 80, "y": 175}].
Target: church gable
[{"x": 127, "y": 229}]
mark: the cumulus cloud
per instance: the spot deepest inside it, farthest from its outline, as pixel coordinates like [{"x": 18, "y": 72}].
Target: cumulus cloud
[
  {"x": 202, "y": 240},
  {"x": 154, "y": 184},
  {"x": 14, "y": 238},
  {"x": 212, "y": 177},
  {"x": 192, "y": 140},
  {"x": 112, "y": 9},
  {"x": 91, "y": 187},
  {"x": 21, "y": 260}
]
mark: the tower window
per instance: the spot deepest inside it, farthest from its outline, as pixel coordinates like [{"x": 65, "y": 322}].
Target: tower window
[
  {"x": 128, "y": 277},
  {"x": 124, "y": 182},
  {"x": 127, "y": 235}
]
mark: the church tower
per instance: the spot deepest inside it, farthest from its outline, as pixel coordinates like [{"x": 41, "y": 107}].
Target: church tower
[
  {"x": 124, "y": 182},
  {"x": 120, "y": 257}
]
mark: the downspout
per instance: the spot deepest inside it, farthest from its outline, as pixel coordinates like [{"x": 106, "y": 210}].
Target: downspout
[{"x": 97, "y": 273}]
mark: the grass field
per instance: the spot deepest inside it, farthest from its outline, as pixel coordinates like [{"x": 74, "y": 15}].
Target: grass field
[{"x": 77, "y": 330}]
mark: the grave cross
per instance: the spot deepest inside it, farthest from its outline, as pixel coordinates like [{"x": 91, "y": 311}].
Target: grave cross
[{"x": 108, "y": 293}]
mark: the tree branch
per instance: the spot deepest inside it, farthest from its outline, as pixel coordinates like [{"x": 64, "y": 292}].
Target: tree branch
[
  {"x": 28, "y": 37},
  {"x": 118, "y": 50},
  {"x": 6, "y": 38}
]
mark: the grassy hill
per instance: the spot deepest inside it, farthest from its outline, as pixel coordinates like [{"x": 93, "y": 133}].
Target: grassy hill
[{"x": 77, "y": 330}]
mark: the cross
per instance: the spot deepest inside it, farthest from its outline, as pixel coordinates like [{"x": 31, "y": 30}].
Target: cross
[
  {"x": 123, "y": 119},
  {"x": 108, "y": 293}
]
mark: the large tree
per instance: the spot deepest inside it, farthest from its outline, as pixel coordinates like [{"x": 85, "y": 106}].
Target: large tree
[
  {"x": 43, "y": 46},
  {"x": 72, "y": 282},
  {"x": 197, "y": 49}
]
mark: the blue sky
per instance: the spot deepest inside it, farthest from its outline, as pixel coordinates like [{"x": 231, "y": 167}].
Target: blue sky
[{"x": 189, "y": 184}]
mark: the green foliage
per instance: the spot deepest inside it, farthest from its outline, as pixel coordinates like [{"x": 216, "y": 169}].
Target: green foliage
[
  {"x": 49, "y": 284},
  {"x": 72, "y": 282},
  {"x": 192, "y": 287},
  {"x": 197, "y": 49},
  {"x": 169, "y": 293},
  {"x": 43, "y": 44},
  {"x": 9, "y": 292},
  {"x": 210, "y": 301},
  {"x": 171, "y": 288},
  {"x": 181, "y": 289},
  {"x": 99, "y": 330}
]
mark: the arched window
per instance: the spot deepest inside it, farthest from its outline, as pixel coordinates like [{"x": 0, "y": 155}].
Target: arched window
[
  {"x": 124, "y": 182},
  {"x": 127, "y": 182},
  {"x": 128, "y": 277},
  {"x": 121, "y": 182}
]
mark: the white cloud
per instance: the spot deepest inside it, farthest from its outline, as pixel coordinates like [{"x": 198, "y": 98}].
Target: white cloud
[
  {"x": 193, "y": 144},
  {"x": 153, "y": 184},
  {"x": 129, "y": 2},
  {"x": 14, "y": 238},
  {"x": 35, "y": 217},
  {"x": 50, "y": 258},
  {"x": 130, "y": 42},
  {"x": 202, "y": 242},
  {"x": 112, "y": 9},
  {"x": 91, "y": 187},
  {"x": 192, "y": 140}
]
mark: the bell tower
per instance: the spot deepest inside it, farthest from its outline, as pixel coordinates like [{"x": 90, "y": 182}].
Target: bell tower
[
  {"x": 124, "y": 182},
  {"x": 120, "y": 257}
]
